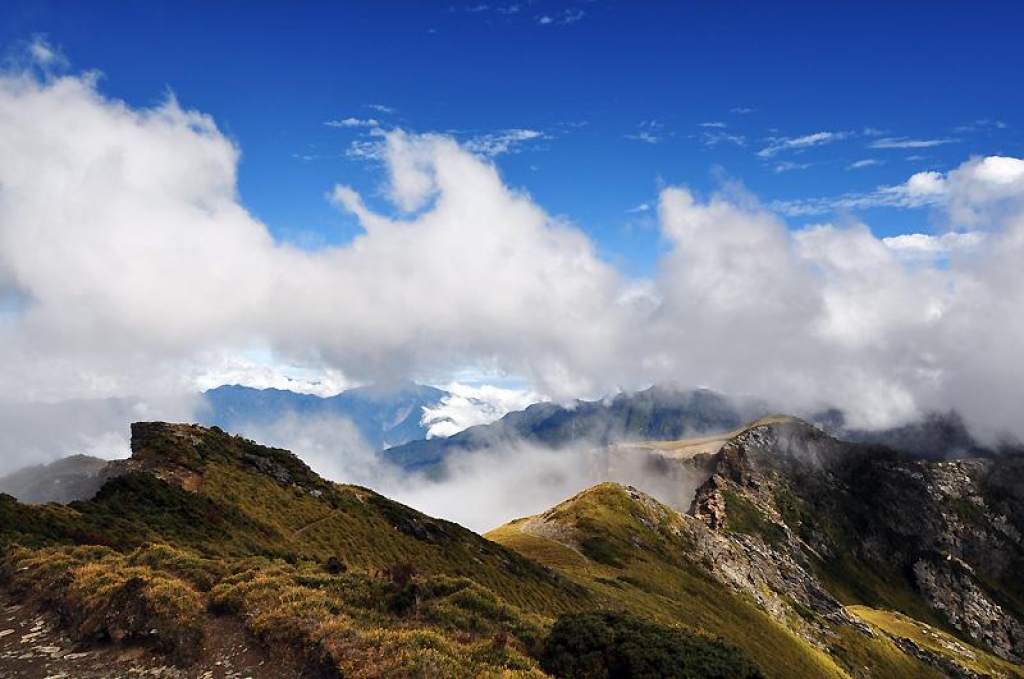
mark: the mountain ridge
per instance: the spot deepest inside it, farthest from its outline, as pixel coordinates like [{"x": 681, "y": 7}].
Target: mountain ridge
[{"x": 799, "y": 553}]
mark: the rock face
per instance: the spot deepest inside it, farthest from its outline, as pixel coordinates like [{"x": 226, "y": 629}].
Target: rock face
[
  {"x": 178, "y": 453},
  {"x": 805, "y": 515}
]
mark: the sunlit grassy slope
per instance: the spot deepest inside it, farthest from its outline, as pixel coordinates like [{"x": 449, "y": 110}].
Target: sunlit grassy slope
[
  {"x": 630, "y": 551},
  {"x": 202, "y": 523}
]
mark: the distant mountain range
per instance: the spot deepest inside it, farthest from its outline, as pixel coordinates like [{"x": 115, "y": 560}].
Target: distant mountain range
[
  {"x": 666, "y": 414},
  {"x": 390, "y": 419},
  {"x": 385, "y": 415},
  {"x": 71, "y": 478},
  {"x": 657, "y": 413}
]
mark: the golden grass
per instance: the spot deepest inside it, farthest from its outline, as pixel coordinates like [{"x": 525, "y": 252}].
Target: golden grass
[
  {"x": 937, "y": 642},
  {"x": 660, "y": 583}
]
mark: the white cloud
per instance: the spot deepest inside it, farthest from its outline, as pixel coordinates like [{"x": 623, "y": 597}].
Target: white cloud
[
  {"x": 920, "y": 246},
  {"x": 714, "y": 138},
  {"x": 45, "y": 55},
  {"x": 971, "y": 194},
  {"x": 716, "y": 124},
  {"x": 644, "y": 136},
  {"x": 137, "y": 268},
  {"x": 921, "y": 190},
  {"x": 331, "y": 445},
  {"x": 467, "y": 406},
  {"x": 905, "y": 143},
  {"x": 564, "y": 18},
  {"x": 787, "y": 166},
  {"x": 380, "y": 108},
  {"x": 861, "y": 164},
  {"x": 779, "y": 144},
  {"x": 504, "y": 141},
  {"x": 742, "y": 110},
  {"x": 366, "y": 149},
  {"x": 353, "y": 122},
  {"x": 261, "y": 369},
  {"x": 642, "y": 207}
]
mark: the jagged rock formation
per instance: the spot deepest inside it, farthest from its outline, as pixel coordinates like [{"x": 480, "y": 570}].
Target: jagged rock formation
[{"x": 934, "y": 530}]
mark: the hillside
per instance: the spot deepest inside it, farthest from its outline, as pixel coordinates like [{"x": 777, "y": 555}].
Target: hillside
[
  {"x": 799, "y": 555},
  {"x": 865, "y": 559},
  {"x": 200, "y": 520},
  {"x": 203, "y": 533}
]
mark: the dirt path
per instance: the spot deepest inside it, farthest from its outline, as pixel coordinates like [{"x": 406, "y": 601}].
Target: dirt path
[
  {"x": 299, "y": 531},
  {"x": 33, "y": 646}
]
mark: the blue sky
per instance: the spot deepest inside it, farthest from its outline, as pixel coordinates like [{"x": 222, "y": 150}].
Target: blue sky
[
  {"x": 612, "y": 101},
  {"x": 816, "y": 203}
]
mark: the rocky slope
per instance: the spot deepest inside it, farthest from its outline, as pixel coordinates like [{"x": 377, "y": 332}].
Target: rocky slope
[
  {"x": 939, "y": 539},
  {"x": 847, "y": 546}
]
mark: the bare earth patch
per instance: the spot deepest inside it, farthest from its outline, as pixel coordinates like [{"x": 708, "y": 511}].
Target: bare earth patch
[{"x": 34, "y": 646}]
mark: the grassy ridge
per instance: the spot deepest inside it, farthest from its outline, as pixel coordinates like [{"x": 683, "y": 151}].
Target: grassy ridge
[
  {"x": 339, "y": 574},
  {"x": 203, "y": 523},
  {"x": 646, "y": 567}
]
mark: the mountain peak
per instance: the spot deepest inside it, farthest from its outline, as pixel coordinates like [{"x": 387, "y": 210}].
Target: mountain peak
[{"x": 180, "y": 453}]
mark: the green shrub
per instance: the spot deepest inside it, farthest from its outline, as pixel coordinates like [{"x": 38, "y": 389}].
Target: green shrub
[{"x": 608, "y": 645}]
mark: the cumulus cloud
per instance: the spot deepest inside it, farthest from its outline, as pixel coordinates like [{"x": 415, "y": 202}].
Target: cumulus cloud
[
  {"x": 121, "y": 230},
  {"x": 129, "y": 266},
  {"x": 925, "y": 246}
]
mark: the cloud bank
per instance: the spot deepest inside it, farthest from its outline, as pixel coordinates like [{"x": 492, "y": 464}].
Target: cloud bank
[{"x": 129, "y": 265}]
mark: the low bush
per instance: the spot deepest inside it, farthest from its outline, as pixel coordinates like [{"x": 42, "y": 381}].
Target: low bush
[{"x": 609, "y": 645}]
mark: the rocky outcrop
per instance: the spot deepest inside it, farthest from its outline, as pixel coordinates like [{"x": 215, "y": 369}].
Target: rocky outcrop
[
  {"x": 950, "y": 588},
  {"x": 791, "y": 502}
]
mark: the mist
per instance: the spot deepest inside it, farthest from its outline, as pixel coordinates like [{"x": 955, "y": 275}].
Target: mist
[{"x": 480, "y": 489}]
